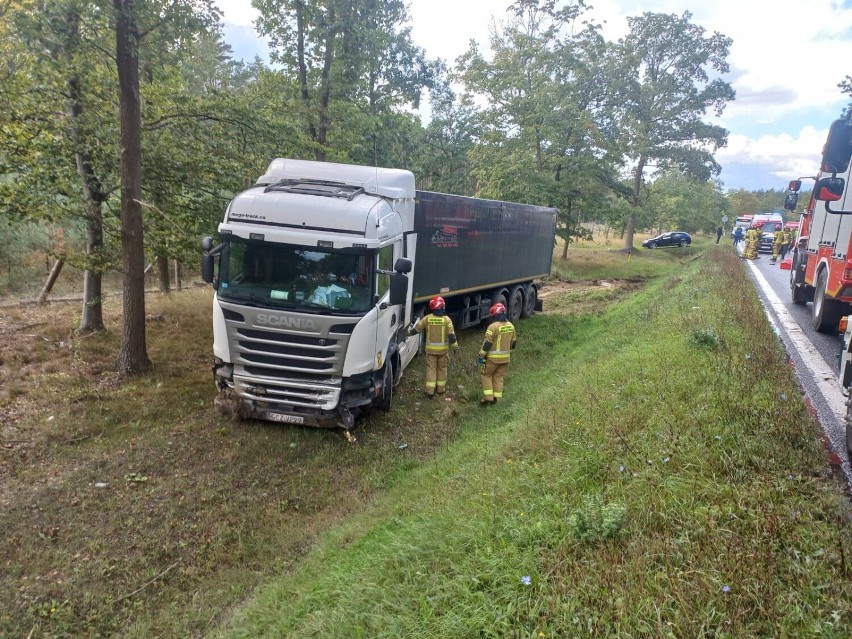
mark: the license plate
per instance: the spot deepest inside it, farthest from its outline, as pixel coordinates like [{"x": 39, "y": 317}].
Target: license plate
[{"x": 284, "y": 418}]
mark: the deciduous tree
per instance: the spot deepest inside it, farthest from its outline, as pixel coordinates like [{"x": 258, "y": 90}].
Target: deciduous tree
[
  {"x": 356, "y": 53},
  {"x": 668, "y": 81},
  {"x": 542, "y": 135}
]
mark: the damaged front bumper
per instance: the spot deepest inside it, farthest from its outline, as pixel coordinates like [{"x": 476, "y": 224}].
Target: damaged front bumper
[{"x": 250, "y": 398}]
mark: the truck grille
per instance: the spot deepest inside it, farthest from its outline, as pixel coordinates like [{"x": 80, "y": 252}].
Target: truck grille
[{"x": 302, "y": 372}]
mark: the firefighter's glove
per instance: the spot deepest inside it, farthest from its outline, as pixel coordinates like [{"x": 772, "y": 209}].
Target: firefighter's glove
[
  {"x": 480, "y": 361},
  {"x": 455, "y": 349}
]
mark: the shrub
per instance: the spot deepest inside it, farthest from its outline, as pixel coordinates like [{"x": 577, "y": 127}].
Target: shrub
[{"x": 595, "y": 521}]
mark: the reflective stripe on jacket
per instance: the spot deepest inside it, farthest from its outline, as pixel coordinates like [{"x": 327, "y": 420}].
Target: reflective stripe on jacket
[
  {"x": 501, "y": 336},
  {"x": 438, "y": 330}
]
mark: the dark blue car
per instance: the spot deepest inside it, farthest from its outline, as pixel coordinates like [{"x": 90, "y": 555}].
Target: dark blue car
[{"x": 674, "y": 238}]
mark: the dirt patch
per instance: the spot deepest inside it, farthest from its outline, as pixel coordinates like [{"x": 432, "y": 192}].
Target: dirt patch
[{"x": 575, "y": 298}]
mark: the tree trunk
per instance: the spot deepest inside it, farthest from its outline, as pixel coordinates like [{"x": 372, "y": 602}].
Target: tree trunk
[
  {"x": 163, "y": 273},
  {"x": 178, "y": 276},
  {"x": 133, "y": 354},
  {"x": 92, "y": 318},
  {"x": 637, "y": 186},
  {"x": 628, "y": 234},
  {"x": 567, "y": 230},
  {"x": 325, "y": 94},
  {"x": 303, "y": 68},
  {"x": 51, "y": 280}
]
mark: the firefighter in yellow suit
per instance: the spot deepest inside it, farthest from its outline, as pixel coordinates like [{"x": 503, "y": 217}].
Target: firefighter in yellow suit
[
  {"x": 752, "y": 251},
  {"x": 440, "y": 336},
  {"x": 749, "y": 241},
  {"x": 777, "y": 242},
  {"x": 495, "y": 354}
]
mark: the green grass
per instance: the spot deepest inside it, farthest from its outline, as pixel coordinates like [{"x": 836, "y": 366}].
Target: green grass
[
  {"x": 426, "y": 526},
  {"x": 655, "y": 474},
  {"x": 596, "y": 261}
]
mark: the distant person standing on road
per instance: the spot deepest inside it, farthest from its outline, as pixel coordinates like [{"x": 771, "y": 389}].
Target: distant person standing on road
[
  {"x": 719, "y": 232},
  {"x": 749, "y": 241},
  {"x": 738, "y": 235},
  {"x": 752, "y": 244},
  {"x": 786, "y": 243},
  {"x": 777, "y": 241}
]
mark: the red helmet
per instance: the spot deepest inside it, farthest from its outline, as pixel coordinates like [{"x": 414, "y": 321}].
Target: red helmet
[
  {"x": 497, "y": 309},
  {"x": 436, "y": 302}
]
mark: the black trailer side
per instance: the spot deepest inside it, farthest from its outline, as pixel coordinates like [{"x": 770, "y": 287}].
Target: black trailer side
[{"x": 474, "y": 251}]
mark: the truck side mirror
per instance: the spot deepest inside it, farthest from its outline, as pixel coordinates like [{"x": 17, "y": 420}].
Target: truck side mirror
[
  {"x": 402, "y": 265},
  {"x": 790, "y": 201},
  {"x": 829, "y": 189},
  {"x": 838, "y": 150},
  {"x": 398, "y": 288},
  {"x": 794, "y": 186},
  {"x": 207, "y": 260},
  {"x": 207, "y": 268}
]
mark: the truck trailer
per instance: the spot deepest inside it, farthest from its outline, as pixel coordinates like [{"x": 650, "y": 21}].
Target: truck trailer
[{"x": 323, "y": 266}]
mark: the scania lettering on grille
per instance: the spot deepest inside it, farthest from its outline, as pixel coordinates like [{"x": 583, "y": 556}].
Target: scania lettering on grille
[{"x": 284, "y": 321}]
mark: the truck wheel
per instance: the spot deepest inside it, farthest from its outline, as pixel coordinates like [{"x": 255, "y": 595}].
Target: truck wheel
[
  {"x": 530, "y": 298},
  {"x": 826, "y": 311},
  {"x": 682, "y": 243},
  {"x": 798, "y": 293},
  {"x": 387, "y": 388},
  {"x": 516, "y": 304},
  {"x": 652, "y": 245},
  {"x": 849, "y": 426}
]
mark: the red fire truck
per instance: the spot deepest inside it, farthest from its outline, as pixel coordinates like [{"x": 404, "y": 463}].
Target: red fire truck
[{"x": 822, "y": 255}]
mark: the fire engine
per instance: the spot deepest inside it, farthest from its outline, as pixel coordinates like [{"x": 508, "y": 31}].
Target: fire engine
[
  {"x": 821, "y": 271},
  {"x": 822, "y": 261}
]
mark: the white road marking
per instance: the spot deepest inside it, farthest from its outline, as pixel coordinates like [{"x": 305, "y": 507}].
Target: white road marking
[{"x": 824, "y": 376}]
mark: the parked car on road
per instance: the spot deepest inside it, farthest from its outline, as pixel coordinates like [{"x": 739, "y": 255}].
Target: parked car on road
[
  {"x": 767, "y": 236},
  {"x": 674, "y": 238}
]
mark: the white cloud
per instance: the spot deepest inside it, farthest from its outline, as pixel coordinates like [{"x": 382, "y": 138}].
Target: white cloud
[
  {"x": 786, "y": 61},
  {"x": 784, "y": 156},
  {"x": 238, "y": 12}
]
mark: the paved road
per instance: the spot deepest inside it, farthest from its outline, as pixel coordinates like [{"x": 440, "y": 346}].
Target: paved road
[{"x": 814, "y": 355}]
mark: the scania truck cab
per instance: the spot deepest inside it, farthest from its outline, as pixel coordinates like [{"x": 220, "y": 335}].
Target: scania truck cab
[{"x": 308, "y": 313}]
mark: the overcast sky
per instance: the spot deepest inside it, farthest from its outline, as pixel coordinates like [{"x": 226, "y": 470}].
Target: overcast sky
[{"x": 786, "y": 61}]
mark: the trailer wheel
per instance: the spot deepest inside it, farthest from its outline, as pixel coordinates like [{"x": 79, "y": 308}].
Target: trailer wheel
[
  {"x": 826, "y": 311},
  {"x": 516, "y": 304},
  {"x": 530, "y": 298}
]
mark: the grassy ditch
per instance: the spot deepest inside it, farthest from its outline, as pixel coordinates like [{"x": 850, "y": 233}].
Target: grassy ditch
[
  {"x": 656, "y": 474},
  {"x": 131, "y": 509}
]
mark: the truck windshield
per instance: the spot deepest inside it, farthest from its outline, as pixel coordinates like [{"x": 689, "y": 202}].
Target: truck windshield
[{"x": 285, "y": 276}]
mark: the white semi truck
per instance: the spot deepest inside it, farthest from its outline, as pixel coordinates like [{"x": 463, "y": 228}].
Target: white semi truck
[{"x": 322, "y": 266}]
